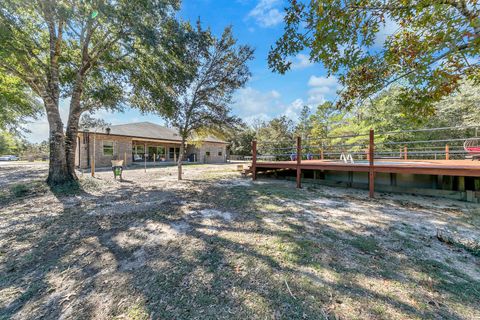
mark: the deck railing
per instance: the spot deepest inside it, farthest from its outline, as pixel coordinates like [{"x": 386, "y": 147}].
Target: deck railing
[{"x": 444, "y": 143}]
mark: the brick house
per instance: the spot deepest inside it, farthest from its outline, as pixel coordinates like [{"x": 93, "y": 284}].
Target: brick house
[{"x": 140, "y": 142}]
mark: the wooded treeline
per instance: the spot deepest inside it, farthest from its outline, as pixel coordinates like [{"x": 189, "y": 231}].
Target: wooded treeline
[{"x": 385, "y": 113}]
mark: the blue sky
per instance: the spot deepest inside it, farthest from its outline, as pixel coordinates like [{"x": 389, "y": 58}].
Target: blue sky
[{"x": 257, "y": 23}]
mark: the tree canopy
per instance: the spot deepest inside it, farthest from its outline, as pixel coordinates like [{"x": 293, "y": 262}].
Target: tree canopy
[
  {"x": 199, "y": 103},
  {"x": 16, "y": 103},
  {"x": 434, "y": 45},
  {"x": 83, "y": 51}
]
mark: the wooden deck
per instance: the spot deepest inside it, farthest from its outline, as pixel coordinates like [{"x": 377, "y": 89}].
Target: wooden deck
[{"x": 464, "y": 168}]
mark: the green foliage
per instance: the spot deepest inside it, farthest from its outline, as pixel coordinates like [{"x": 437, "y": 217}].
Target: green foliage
[
  {"x": 276, "y": 137},
  {"x": 303, "y": 127},
  {"x": 16, "y": 102},
  {"x": 241, "y": 141},
  {"x": 82, "y": 50},
  {"x": 89, "y": 122},
  {"x": 435, "y": 45},
  {"x": 212, "y": 69},
  {"x": 10, "y": 143},
  {"x": 385, "y": 114}
]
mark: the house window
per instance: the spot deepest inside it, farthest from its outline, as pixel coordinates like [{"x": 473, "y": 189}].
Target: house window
[
  {"x": 108, "y": 148},
  {"x": 207, "y": 153},
  {"x": 219, "y": 152},
  {"x": 139, "y": 149}
]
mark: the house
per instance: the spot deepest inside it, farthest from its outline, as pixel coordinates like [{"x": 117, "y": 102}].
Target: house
[{"x": 140, "y": 142}]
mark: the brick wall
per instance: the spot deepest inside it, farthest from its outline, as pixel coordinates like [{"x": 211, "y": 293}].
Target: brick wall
[
  {"x": 209, "y": 152},
  {"x": 121, "y": 146}
]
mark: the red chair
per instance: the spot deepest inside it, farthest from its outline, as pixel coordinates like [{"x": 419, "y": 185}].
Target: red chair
[{"x": 472, "y": 147}]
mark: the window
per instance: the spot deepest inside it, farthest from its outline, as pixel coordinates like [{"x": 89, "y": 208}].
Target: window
[
  {"x": 108, "y": 148},
  {"x": 207, "y": 153},
  {"x": 219, "y": 152},
  {"x": 139, "y": 149}
]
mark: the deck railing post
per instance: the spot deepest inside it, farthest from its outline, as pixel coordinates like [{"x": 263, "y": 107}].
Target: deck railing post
[
  {"x": 371, "y": 171},
  {"x": 405, "y": 153},
  {"x": 254, "y": 159},
  {"x": 299, "y": 161},
  {"x": 447, "y": 152}
]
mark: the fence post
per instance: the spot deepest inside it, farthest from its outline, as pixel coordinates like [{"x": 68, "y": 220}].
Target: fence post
[
  {"x": 371, "y": 171},
  {"x": 405, "y": 153},
  {"x": 299, "y": 161},
  {"x": 145, "y": 156},
  {"x": 93, "y": 158},
  {"x": 447, "y": 152},
  {"x": 254, "y": 159}
]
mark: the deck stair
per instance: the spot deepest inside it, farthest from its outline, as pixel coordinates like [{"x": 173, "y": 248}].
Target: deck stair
[{"x": 247, "y": 171}]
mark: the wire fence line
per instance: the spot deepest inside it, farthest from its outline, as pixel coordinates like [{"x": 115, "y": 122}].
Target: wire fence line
[{"x": 420, "y": 144}]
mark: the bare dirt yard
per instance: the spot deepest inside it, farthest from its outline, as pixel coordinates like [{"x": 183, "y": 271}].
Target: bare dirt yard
[{"x": 216, "y": 246}]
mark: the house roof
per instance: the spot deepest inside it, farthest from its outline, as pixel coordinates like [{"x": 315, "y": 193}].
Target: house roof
[{"x": 148, "y": 130}]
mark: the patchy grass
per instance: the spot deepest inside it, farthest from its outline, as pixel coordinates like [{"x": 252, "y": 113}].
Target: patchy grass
[{"x": 215, "y": 246}]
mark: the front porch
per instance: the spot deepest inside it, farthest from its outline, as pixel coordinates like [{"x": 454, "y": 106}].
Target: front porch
[{"x": 155, "y": 151}]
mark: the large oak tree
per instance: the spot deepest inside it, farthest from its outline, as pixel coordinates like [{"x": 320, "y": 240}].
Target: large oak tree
[{"x": 82, "y": 51}]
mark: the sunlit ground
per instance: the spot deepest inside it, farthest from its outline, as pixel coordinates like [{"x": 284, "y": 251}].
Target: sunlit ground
[{"x": 216, "y": 246}]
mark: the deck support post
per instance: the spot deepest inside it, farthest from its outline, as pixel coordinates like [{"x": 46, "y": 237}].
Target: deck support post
[
  {"x": 299, "y": 161},
  {"x": 254, "y": 160},
  {"x": 461, "y": 183},
  {"x": 371, "y": 171},
  {"x": 447, "y": 152},
  {"x": 476, "y": 183}
]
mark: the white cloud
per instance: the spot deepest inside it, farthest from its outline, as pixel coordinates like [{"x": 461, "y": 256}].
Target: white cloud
[
  {"x": 266, "y": 13},
  {"x": 249, "y": 101},
  {"x": 301, "y": 61},
  {"x": 322, "y": 81},
  {"x": 316, "y": 99},
  {"x": 385, "y": 31},
  {"x": 320, "y": 87},
  {"x": 320, "y": 90},
  {"x": 293, "y": 110},
  {"x": 253, "y": 105}
]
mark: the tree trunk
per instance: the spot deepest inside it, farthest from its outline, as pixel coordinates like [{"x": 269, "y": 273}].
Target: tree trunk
[
  {"x": 72, "y": 126},
  {"x": 57, "y": 171},
  {"x": 180, "y": 159},
  {"x": 71, "y": 143}
]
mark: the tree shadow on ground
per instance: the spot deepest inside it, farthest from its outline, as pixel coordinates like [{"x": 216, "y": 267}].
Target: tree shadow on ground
[{"x": 156, "y": 260}]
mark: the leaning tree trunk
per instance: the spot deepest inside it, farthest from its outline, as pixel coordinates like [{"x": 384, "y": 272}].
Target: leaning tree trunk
[
  {"x": 71, "y": 143},
  {"x": 72, "y": 127},
  {"x": 180, "y": 159},
  {"x": 57, "y": 170}
]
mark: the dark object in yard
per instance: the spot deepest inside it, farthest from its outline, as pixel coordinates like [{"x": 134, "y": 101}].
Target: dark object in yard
[
  {"x": 117, "y": 172},
  {"x": 117, "y": 168}
]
